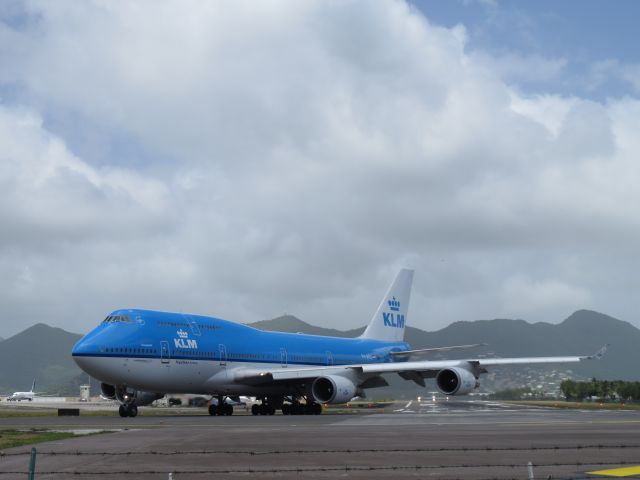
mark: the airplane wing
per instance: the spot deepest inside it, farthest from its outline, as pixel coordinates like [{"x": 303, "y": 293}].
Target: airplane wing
[
  {"x": 426, "y": 351},
  {"x": 416, "y": 371}
]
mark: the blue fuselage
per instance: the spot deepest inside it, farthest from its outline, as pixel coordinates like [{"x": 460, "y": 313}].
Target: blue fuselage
[{"x": 192, "y": 353}]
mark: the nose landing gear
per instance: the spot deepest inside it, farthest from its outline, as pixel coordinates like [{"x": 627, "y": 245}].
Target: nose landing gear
[{"x": 128, "y": 411}]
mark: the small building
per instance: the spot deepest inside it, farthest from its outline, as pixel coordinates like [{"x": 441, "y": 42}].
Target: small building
[{"x": 84, "y": 393}]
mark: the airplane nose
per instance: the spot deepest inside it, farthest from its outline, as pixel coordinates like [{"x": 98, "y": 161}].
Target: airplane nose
[
  {"x": 82, "y": 362},
  {"x": 80, "y": 348},
  {"x": 88, "y": 344},
  {"x": 79, "y": 352},
  {"x": 86, "y": 355}
]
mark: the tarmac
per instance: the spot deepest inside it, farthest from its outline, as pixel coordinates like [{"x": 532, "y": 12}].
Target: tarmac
[{"x": 454, "y": 439}]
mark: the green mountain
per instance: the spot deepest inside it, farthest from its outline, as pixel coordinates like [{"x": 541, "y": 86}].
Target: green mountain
[
  {"x": 291, "y": 324},
  {"x": 584, "y": 332},
  {"x": 40, "y": 352}
]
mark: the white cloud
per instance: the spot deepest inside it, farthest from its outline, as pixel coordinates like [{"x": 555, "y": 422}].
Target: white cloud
[
  {"x": 47, "y": 190},
  {"x": 522, "y": 296},
  {"x": 604, "y": 71},
  {"x": 547, "y": 110},
  {"x": 289, "y": 156},
  {"x": 517, "y": 68}
]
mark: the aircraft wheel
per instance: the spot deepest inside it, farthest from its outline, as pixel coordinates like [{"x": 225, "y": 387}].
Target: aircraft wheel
[
  {"x": 271, "y": 410},
  {"x": 286, "y": 409},
  {"x": 212, "y": 409},
  {"x": 123, "y": 411},
  {"x": 228, "y": 409},
  {"x": 317, "y": 409},
  {"x": 255, "y": 409},
  {"x": 133, "y": 411}
]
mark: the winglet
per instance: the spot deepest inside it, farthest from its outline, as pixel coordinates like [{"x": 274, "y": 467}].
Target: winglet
[{"x": 599, "y": 354}]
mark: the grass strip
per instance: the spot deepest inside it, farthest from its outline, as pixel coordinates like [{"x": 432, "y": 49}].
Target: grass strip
[{"x": 19, "y": 438}]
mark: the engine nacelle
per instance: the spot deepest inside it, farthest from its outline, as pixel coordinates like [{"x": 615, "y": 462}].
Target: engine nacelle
[
  {"x": 127, "y": 396},
  {"x": 333, "y": 389},
  {"x": 456, "y": 381},
  {"x": 108, "y": 391}
]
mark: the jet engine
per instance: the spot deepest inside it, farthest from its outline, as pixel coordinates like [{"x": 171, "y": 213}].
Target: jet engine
[
  {"x": 108, "y": 391},
  {"x": 456, "y": 381},
  {"x": 128, "y": 396},
  {"x": 332, "y": 389}
]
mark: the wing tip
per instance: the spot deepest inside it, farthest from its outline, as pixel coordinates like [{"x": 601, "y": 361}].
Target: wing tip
[{"x": 599, "y": 354}]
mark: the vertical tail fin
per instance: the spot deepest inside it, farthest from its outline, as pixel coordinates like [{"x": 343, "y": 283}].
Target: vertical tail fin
[
  {"x": 389, "y": 320},
  {"x": 33, "y": 386}
]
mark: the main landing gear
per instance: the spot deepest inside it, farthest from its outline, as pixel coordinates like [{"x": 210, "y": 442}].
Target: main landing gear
[
  {"x": 269, "y": 405},
  {"x": 296, "y": 408},
  {"x": 221, "y": 408},
  {"x": 263, "y": 409},
  {"x": 128, "y": 411}
]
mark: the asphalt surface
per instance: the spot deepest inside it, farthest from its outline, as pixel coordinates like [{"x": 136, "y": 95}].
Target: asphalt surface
[{"x": 471, "y": 440}]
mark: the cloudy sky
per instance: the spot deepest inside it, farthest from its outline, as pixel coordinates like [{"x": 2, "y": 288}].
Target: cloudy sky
[{"x": 245, "y": 159}]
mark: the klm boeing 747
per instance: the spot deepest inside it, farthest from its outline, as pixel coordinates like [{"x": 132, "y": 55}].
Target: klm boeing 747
[{"x": 140, "y": 355}]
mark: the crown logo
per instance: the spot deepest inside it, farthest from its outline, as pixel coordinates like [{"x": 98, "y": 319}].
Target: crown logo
[
  {"x": 182, "y": 334},
  {"x": 394, "y": 304}
]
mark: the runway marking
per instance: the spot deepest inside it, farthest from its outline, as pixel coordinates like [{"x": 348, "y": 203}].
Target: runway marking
[
  {"x": 618, "y": 472},
  {"x": 403, "y": 410}
]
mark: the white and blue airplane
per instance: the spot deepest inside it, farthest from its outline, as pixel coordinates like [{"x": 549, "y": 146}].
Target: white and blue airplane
[
  {"x": 140, "y": 355},
  {"x": 19, "y": 396}
]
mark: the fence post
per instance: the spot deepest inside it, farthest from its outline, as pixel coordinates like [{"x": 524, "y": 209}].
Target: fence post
[{"x": 32, "y": 464}]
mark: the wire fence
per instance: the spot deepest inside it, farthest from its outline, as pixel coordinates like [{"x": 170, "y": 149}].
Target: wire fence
[
  {"x": 450, "y": 470},
  {"x": 312, "y": 469},
  {"x": 333, "y": 451}
]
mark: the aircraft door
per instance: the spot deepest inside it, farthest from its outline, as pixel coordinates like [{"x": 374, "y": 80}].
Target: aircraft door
[
  {"x": 222, "y": 350},
  {"x": 283, "y": 357},
  {"x": 164, "y": 351},
  {"x": 329, "y": 358},
  {"x": 192, "y": 323},
  {"x": 194, "y": 327}
]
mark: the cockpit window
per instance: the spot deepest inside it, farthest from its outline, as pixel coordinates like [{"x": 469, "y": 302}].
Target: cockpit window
[{"x": 117, "y": 319}]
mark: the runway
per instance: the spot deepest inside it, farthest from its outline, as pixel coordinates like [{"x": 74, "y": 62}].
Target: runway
[{"x": 473, "y": 440}]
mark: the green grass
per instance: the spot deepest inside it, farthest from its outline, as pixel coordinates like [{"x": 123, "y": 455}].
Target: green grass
[
  {"x": 18, "y": 438},
  {"x": 106, "y": 412},
  {"x": 22, "y": 413}
]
